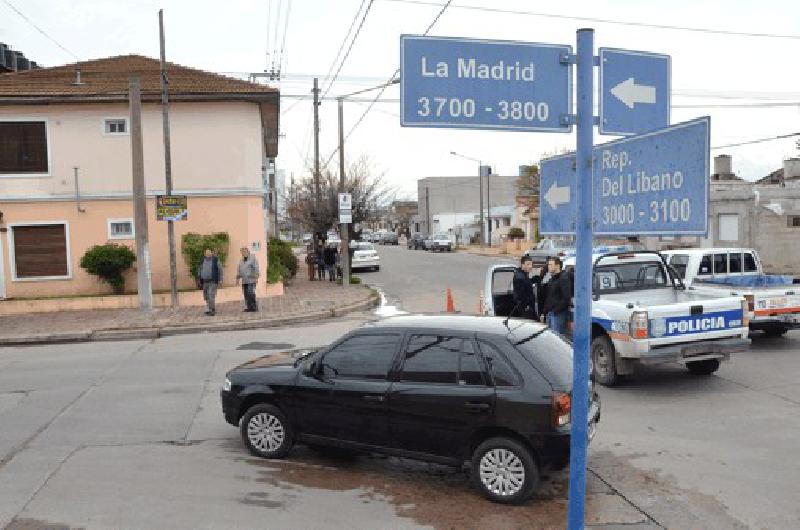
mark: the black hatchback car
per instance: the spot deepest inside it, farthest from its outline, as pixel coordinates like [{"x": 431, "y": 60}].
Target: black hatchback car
[
  {"x": 485, "y": 392},
  {"x": 416, "y": 241}
]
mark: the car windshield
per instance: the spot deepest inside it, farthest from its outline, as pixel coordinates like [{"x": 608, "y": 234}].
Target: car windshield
[
  {"x": 365, "y": 246},
  {"x": 624, "y": 277}
]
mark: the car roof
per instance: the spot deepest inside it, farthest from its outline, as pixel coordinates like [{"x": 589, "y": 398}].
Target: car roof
[
  {"x": 461, "y": 323},
  {"x": 709, "y": 250}
]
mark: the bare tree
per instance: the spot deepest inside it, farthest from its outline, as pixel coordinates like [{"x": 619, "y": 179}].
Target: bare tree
[{"x": 367, "y": 187}]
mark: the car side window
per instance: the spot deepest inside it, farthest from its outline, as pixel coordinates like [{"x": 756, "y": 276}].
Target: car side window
[
  {"x": 502, "y": 373},
  {"x": 735, "y": 263},
  {"x": 750, "y": 263},
  {"x": 720, "y": 264},
  {"x": 441, "y": 359},
  {"x": 705, "y": 265},
  {"x": 368, "y": 356}
]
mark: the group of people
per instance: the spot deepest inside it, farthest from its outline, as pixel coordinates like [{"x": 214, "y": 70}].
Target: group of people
[
  {"x": 210, "y": 276},
  {"x": 546, "y": 296},
  {"x": 324, "y": 260}
]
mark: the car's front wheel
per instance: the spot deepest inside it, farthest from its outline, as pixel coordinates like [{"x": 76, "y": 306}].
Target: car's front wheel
[
  {"x": 266, "y": 431},
  {"x": 504, "y": 471},
  {"x": 706, "y": 367}
]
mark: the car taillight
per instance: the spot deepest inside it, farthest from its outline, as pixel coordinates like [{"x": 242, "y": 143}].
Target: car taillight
[
  {"x": 747, "y": 306},
  {"x": 562, "y": 409},
  {"x": 639, "y": 325},
  {"x": 751, "y": 303}
]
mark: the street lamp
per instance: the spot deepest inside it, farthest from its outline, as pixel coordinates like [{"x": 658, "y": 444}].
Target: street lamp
[{"x": 480, "y": 194}]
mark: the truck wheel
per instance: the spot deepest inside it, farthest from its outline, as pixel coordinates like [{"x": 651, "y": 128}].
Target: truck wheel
[
  {"x": 775, "y": 331},
  {"x": 604, "y": 359},
  {"x": 707, "y": 367}
]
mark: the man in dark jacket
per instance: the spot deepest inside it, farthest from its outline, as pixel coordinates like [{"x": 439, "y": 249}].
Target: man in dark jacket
[
  {"x": 523, "y": 290},
  {"x": 329, "y": 255},
  {"x": 210, "y": 274},
  {"x": 557, "y": 294}
]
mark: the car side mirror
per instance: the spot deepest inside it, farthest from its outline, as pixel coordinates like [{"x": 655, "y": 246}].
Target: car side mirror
[{"x": 310, "y": 369}]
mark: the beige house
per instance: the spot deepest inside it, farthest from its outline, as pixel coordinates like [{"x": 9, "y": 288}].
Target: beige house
[{"x": 65, "y": 169}]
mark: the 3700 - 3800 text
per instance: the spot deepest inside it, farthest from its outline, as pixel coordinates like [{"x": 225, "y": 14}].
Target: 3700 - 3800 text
[{"x": 466, "y": 108}]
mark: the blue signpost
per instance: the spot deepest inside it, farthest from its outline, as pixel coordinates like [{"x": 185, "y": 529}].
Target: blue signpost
[
  {"x": 651, "y": 184},
  {"x": 654, "y": 183},
  {"x": 480, "y": 84},
  {"x": 634, "y": 91}
]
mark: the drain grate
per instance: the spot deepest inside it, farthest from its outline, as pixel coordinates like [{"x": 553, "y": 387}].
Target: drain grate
[{"x": 266, "y": 346}]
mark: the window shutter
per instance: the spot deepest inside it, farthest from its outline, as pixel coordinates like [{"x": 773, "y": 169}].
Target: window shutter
[{"x": 40, "y": 251}]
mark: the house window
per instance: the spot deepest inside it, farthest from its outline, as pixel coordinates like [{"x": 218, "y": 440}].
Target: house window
[
  {"x": 116, "y": 126},
  {"x": 793, "y": 221},
  {"x": 729, "y": 227},
  {"x": 40, "y": 251},
  {"x": 23, "y": 147},
  {"x": 120, "y": 229}
]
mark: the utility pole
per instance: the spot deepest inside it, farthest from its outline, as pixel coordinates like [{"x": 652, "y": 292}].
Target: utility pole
[
  {"x": 345, "y": 259},
  {"x": 139, "y": 201},
  {"x": 428, "y": 211},
  {"x": 173, "y": 266},
  {"x": 489, "y": 204},
  {"x": 317, "y": 193}
]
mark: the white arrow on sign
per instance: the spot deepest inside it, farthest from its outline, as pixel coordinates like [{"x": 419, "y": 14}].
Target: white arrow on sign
[
  {"x": 630, "y": 93},
  {"x": 557, "y": 195}
]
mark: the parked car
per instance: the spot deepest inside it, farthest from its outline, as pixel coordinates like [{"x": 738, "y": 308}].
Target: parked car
[
  {"x": 365, "y": 256},
  {"x": 416, "y": 241},
  {"x": 643, "y": 314},
  {"x": 773, "y": 300},
  {"x": 441, "y": 243},
  {"x": 489, "y": 393},
  {"x": 389, "y": 238},
  {"x": 547, "y": 248},
  {"x": 307, "y": 238}
]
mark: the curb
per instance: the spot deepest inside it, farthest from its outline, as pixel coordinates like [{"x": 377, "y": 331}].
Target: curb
[{"x": 169, "y": 331}]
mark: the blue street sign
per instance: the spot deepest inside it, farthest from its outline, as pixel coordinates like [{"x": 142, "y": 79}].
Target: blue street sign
[
  {"x": 635, "y": 91},
  {"x": 482, "y": 84},
  {"x": 651, "y": 184}
]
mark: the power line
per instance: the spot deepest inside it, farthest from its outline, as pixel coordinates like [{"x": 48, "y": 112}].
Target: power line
[
  {"x": 758, "y": 141},
  {"x": 40, "y": 30},
  {"x": 342, "y": 45},
  {"x": 601, "y": 20},
  {"x": 281, "y": 62},
  {"x": 349, "y": 48},
  {"x": 275, "y": 37}
]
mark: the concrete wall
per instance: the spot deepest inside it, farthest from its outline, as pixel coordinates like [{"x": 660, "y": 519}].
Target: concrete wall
[
  {"x": 460, "y": 195},
  {"x": 240, "y": 217},
  {"x": 215, "y": 146}
]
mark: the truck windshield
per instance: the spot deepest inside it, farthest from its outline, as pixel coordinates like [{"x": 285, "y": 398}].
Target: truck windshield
[{"x": 624, "y": 277}]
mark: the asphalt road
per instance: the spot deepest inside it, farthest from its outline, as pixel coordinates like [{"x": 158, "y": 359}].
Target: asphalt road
[{"x": 130, "y": 435}]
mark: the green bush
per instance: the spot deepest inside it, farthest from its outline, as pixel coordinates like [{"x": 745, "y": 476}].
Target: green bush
[
  {"x": 516, "y": 232},
  {"x": 109, "y": 262},
  {"x": 355, "y": 280},
  {"x": 193, "y": 247},
  {"x": 282, "y": 261}
]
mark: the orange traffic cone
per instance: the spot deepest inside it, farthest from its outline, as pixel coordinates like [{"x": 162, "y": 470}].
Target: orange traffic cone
[{"x": 451, "y": 307}]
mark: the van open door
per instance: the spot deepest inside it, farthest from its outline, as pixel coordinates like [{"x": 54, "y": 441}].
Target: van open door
[{"x": 498, "y": 291}]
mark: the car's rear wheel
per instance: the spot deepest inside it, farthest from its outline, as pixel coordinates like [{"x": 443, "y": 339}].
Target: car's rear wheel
[
  {"x": 504, "y": 471},
  {"x": 604, "y": 361},
  {"x": 266, "y": 431},
  {"x": 706, "y": 367}
]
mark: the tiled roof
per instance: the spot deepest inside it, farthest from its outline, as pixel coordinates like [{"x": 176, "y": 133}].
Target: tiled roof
[{"x": 108, "y": 79}]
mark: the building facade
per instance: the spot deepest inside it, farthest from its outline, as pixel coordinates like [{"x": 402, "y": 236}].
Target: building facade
[{"x": 66, "y": 177}]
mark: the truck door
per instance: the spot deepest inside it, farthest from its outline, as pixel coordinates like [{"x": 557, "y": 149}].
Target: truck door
[{"x": 498, "y": 292}]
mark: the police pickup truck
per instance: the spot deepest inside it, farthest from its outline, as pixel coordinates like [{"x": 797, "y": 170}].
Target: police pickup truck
[
  {"x": 643, "y": 314},
  {"x": 773, "y": 300}
]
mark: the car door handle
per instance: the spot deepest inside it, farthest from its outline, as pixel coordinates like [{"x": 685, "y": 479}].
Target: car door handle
[
  {"x": 477, "y": 406},
  {"x": 378, "y": 399}
]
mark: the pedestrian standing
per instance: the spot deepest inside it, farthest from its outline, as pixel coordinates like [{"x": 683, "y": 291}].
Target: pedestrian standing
[
  {"x": 523, "y": 287},
  {"x": 557, "y": 296},
  {"x": 320, "y": 256},
  {"x": 248, "y": 274},
  {"x": 330, "y": 261},
  {"x": 210, "y": 278},
  {"x": 311, "y": 262}
]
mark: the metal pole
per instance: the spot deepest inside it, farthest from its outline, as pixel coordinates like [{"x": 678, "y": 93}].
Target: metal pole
[
  {"x": 428, "y": 211},
  {"x": 583, "y": 282},
  {"x": 480, "y": 195},
  {"x": 317, "y": 193},
  {"x": 139, "y": 202},
  {"x": 489, "y": 206},
  {"x": 345, "y": 258},
  {"x": 173, "y": 266}
]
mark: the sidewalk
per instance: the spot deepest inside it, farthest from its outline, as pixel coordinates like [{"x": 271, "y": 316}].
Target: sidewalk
[
  {"x": 493, "y": 252},
  {"x": 303, "y": 300}
]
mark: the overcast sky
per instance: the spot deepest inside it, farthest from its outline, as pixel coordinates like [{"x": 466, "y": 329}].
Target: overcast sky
[{"x": 234, "y": 36}]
